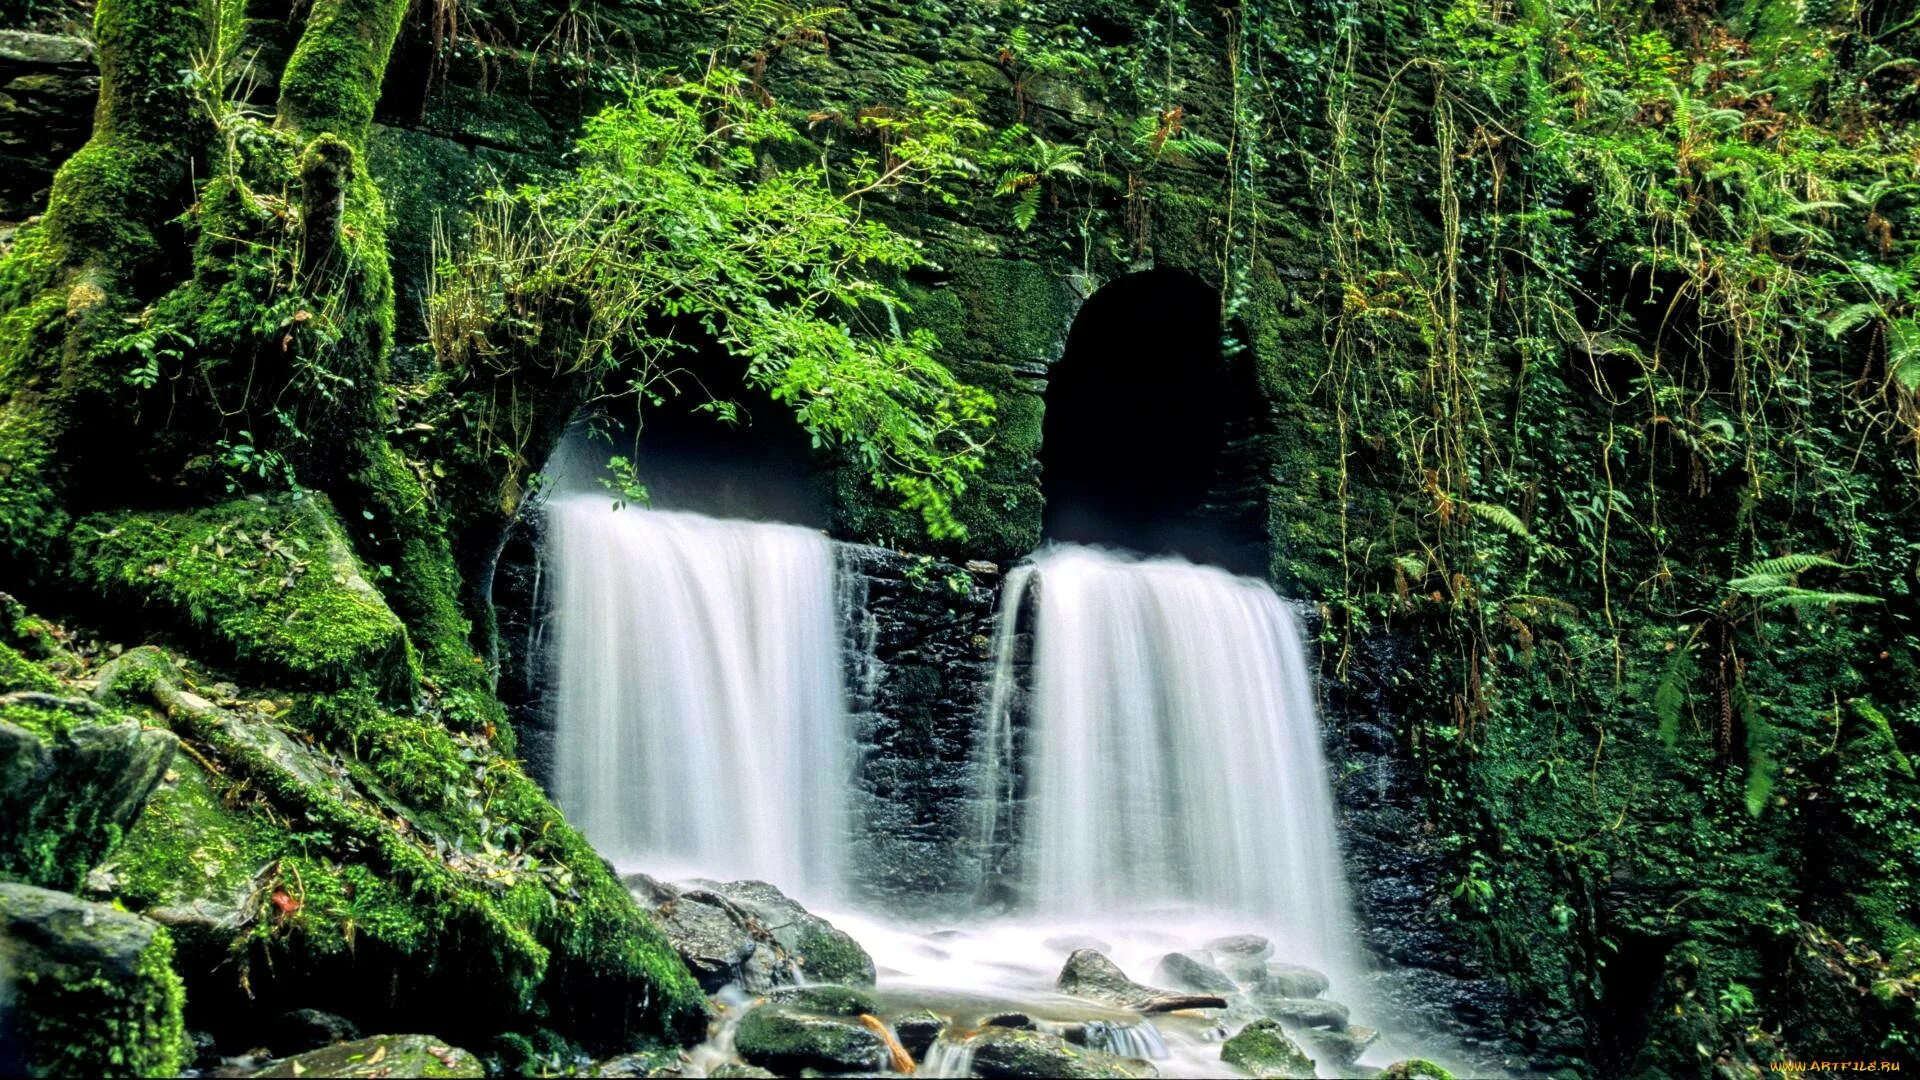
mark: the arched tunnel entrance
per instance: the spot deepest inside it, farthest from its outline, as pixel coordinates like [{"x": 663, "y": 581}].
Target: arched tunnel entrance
[{"x": 1144, "y": 442}]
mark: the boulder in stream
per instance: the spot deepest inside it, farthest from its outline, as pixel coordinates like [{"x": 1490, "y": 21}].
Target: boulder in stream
[
  {"x": 1343, "y": 1046},
  {"x": 1290, "y": 981},
  {"x": 1305, "y": 1012},
  {"x": 917, "y": 1031},
  {"x": 382, "y": 1055},
  {"x": 1243, "y": 956},
  {"x": 1185, "y": 971},
  {"x": 825, "y": 1000},
  {"x": 1002, "y": 1053},
  {"x": 1413, "y": 1069},
  {"x": 749, "y": 934},
  {"x": 1262, "y": 1049},
  {"x": 1089, "y": 974},
  {"x": 788, "y": 1040}
]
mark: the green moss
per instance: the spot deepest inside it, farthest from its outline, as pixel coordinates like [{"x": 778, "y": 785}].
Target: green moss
[
  {"x": 274, "y": 582},
  {"x": 94, "y": 996},
  {"x": 1413, "y": 1069},
  {"x": 19, "y": 673},
  {"x": 1263, "y": 1049},
  {"x": 333, "y": 78}
]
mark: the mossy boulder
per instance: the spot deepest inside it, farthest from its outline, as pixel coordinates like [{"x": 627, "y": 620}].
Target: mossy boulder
[
  {"x": 93, "y": 990},
  {"x": 73, "y": 777},
  {"x": 1262, "y": 1049},
  {"x": 825, "y": 1000},
  {"x": 1413, "y": 1069},
  {"x": 382, "y": 1055},
  {"x": 788, "y": 1040},
  {"x": 1002, "y": 1053},
  {"x": 273, "y": 581}
]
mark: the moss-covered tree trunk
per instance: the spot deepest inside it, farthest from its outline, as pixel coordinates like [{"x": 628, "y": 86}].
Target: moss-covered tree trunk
[{"x": 205, "y": 311}]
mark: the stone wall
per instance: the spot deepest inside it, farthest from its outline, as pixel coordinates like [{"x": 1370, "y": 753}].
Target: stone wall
[
  {"x": 47, "y": 89},
  {"x": 920, "y": 664}
]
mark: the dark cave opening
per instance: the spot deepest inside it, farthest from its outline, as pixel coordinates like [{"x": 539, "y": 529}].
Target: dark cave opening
[
  {"x": 1142, "y": 411},
  {"x": 717, "y": 446}
]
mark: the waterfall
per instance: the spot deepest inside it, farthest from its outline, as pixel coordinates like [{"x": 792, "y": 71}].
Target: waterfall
[
  {"x": 1173, "y": 754},
  {"x": 700, "y": 709}
]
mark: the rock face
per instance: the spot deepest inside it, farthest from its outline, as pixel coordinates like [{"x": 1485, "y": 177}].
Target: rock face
[
  {"x": 749, "y": 934},
  {"x": 47, "y": 90},
  {"x": 1012, "y": 1053},
  {"x": 919, "y": 631},
  {"x": 1262, "y": 1049},
  {"x": 70, "y": 784},
  {"x": 788, "y": 1040},
  {"x": 382, "y": 1055},
  {"x": 93, "y": 989}
]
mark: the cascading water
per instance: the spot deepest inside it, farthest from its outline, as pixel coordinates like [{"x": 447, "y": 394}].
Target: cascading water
[
  {"x": 702, "y": 723},
  {"x": 1173, "y": 754}
]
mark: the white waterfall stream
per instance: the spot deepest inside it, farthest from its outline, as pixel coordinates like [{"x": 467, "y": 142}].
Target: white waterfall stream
[
  {"x": 702, "y": 723},
  {"x": 1173, "y": 758}
]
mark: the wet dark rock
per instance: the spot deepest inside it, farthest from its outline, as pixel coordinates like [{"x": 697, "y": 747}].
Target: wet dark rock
[
  {"x": 382, "y": 1055},
  {"x": 644, "y": 1063},
  {"x": 918, "y": 1030},
  {"x": 300, "y": 1030},
  {"x": 1305, "y": 1012},
  {"x": 920, "y": 629},
  {"x": 825, "y": 1000},
  {"x": 1184, "y": 971},
  {"x": 1009, "y": 1053},
  {"x": 48, "y": 84},
  {"x": 787, "y": 1041},
  {"x": 1262, "y": 1049},
  {"x": 1290, "y": 981},
  {"x": 1018, "y": 1020}
]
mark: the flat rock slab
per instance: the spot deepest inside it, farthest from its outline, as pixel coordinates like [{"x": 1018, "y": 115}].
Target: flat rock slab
[{"x": 379, "y": 1056}]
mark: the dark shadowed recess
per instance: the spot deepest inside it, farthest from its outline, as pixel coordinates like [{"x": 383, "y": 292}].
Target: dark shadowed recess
[{"x": 1145, "y": 413}]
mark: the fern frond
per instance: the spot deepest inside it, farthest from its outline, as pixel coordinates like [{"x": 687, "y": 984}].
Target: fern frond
[
  {"x": 1670, "y": 697},
  {"x": 1501, "y": 516}
]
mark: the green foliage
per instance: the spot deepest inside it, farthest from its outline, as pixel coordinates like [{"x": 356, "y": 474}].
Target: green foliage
[{"x": 673, "y": 231}]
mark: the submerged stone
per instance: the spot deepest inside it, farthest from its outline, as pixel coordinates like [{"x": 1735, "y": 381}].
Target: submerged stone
[
  {"x": 1291, "y": 981},
  {"x": 788, "y": 1040},
  {"x": 381, "y": 1055},
  {"x": 1306, "y": 1012},
  {"x": 1343, "y": 1045},
  {"x": 1184, "y": 971},
  {"x": 825, "y": 1000},
  {"x": 1007, "y": 1053},
  {"x": 918, "y": 1030},
  {"x": 1262, "y": 1049},
  {"x": 1413, "y": 1069}
]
